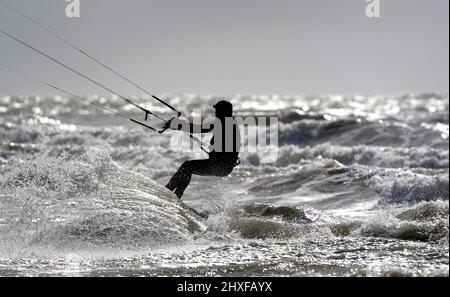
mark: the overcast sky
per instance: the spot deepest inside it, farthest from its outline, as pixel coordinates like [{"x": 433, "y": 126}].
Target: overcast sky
[{"x": 234, "y": 46}]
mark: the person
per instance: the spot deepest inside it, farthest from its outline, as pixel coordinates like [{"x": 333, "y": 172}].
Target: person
[{"x": 224, "y": 149}]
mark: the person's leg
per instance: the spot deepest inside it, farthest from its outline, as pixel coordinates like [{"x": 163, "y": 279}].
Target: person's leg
[
  {"x": 184, "y": 170},
  {"x": 199, "y": 167},
  {"x": 209, "y": 167},
  {"x": 181, "y": 179}
]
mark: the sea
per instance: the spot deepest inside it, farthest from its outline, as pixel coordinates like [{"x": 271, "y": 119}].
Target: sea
[{"x": 359, "y": 186}]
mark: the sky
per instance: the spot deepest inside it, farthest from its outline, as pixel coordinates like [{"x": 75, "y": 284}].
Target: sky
[{"x": 222, "y": 48}]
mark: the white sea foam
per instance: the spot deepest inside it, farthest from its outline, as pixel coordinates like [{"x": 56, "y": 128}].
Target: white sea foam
[{"x": 357, "y": 178}]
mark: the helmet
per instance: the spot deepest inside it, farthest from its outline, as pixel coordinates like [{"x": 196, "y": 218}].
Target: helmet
[{"x": 224, "y": 107}]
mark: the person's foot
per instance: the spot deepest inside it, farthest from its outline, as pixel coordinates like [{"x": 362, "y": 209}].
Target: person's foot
[{"x": 179, "y": 194}]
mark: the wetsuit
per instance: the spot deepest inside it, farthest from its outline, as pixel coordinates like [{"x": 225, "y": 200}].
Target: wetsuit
[{"x": 221, "y": 161}]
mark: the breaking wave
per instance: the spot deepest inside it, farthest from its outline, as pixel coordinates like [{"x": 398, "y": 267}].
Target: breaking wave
[{"x": 85, "y": 201}]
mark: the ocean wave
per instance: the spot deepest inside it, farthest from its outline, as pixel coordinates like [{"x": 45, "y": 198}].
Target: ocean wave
[
  {"x": 426, "y": 221},
  {"x": 363, "y": 155},
  {"x": 348, "y": 132},
  {"x": 84, "y": 201},
  {"x": 269, "y": 221},
  {"x": 409, "y": 186},
  {"x": 327, "y": 184}
]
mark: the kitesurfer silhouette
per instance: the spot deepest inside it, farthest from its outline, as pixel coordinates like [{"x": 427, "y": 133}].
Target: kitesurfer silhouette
[{"x": 225, "y": 146}]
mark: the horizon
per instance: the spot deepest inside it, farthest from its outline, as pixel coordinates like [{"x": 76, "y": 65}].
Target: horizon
[{"x": 144, "y": 96}]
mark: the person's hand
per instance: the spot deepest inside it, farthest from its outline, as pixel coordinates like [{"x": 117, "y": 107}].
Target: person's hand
[
  {"x": 167, "y": 124},
  {"x": 172, "y": 124}
]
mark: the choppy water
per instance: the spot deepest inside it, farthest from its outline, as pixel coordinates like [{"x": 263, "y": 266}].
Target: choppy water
[{"x": 360, "y": 188}]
